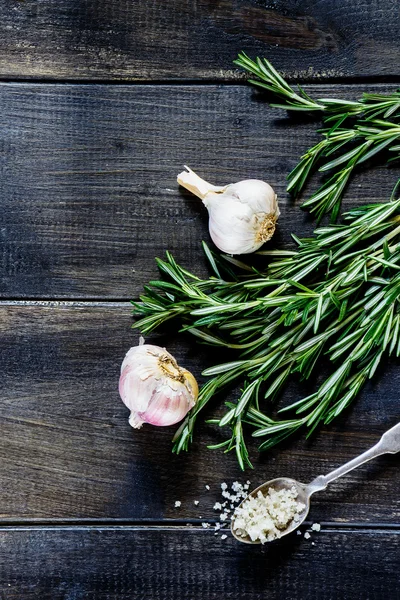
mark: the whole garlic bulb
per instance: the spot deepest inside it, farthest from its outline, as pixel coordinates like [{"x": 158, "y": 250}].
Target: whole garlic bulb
[
  {"x": 242, "y": 216},
  {"x": 154, "y": 387}
]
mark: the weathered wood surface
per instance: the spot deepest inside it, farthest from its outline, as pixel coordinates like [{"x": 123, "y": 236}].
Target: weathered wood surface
[
  {"x": 88, "y": 197},
  {"x": 179, "y": 564},
  {"x": 88, "y": 178},
  {"x": 124, "y": 40},
  {"x": 67, "y": 451}
]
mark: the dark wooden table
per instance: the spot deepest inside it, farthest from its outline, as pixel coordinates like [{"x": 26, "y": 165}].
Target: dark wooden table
[{"x": 101, "y": 105}]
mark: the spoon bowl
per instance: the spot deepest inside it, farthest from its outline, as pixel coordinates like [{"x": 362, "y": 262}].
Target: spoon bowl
[{"x": 304, "y": 493}]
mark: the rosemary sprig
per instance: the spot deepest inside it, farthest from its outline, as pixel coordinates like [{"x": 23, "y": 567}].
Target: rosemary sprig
[
  {"x": 337, "y": 295},
  {"x": 358, "y": 129},
  {"x": 370, "y": 106}
]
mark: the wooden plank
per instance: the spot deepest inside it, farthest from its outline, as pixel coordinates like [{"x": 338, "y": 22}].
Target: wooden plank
[
  {"x": 174, "y": 564},
  {"x": 88, "y": 190},
  {"x": 67, "y": 451},
  {"x": 146, "y": 40}
]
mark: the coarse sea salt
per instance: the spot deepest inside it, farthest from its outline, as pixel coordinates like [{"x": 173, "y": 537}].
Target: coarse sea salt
[{"x": 264, "y": 517}]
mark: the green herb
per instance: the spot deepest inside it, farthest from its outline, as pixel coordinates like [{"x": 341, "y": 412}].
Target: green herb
[
  {"x": 337, "y": 295},
  {"x": 354, "y": 132}
]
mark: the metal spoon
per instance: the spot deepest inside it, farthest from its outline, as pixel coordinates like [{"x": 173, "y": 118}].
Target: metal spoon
[{"x": 389, "y": 443}]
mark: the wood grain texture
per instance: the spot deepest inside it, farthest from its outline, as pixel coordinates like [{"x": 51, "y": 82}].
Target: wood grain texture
[
  {"x": 110, "y": 563},
  {"x": 88, "y": 190},
  {"x": 124, "y": 40},
  {"x": 67, "y": 451},
  {"x": 88, "y": 197}
]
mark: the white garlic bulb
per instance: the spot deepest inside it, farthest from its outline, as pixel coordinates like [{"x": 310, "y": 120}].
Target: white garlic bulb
[
  {"x": 242, "y": 216},
  {"x": 154, "y": 387}
]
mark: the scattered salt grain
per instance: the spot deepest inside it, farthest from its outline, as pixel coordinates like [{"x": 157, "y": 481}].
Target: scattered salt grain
[
  {"x": 264, "y": 518},
  {"x": 207, "y": 487},
  {"x": 307, "y": 535},
  {"x": 298, "y": 532},
  {"x": 196, "y": 502},
  {"x": 312, "y": 543},
  {"x": 224, "y": 486},
  {"x": 206, "y": 525},
  {"x": 223, "y": 537},
  {"x": 217, "y": 506},
  {"x": 316, "y": 527},
  {"x": 178, "y": 503},
  {"x": 223, "y": 516}
]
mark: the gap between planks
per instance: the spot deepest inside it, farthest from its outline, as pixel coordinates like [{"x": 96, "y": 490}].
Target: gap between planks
[
  {"x": 68, "y": 303},
  {"x": 176, "y": 524},
  {"x": 240, "y": 80}
]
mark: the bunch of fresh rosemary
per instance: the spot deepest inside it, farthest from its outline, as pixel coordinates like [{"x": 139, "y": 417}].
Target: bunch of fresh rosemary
[
  {"x": 359, "y": 130},
  {"x": 337, "y": 295}
]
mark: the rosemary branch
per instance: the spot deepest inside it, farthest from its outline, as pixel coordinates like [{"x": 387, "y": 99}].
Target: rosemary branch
[
  {"x": 336, "y": 295},
  {"x": 358, "y": 129}
]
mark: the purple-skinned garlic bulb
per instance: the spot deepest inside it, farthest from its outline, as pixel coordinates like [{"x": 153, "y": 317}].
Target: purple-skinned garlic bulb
[
  {"x": 242, "y": 216},
  {"x": 154, "y": 388}
]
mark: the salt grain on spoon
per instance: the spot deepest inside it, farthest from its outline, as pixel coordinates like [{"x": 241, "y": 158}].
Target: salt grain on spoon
[{"x": 279, "y": 506}]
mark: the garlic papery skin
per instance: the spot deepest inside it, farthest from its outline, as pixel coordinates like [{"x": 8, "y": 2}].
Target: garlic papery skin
[
  {"x": 242, "y": 216},
  {"x": 154, "y": 387}
]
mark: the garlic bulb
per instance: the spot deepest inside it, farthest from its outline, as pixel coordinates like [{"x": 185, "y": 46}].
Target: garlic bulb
[
  {"x": 154, "y": 387},
  {"x": 242, "y": 216}
]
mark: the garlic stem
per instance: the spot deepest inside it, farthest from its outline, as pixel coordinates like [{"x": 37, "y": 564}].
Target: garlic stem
[{"x": 195, "y": 184}]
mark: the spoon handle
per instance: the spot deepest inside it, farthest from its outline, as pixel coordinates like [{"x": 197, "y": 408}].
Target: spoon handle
[{"x": 389, "y": 443}]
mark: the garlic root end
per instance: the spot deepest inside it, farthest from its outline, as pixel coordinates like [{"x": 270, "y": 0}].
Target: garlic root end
[{"x": 266, "y": 229}]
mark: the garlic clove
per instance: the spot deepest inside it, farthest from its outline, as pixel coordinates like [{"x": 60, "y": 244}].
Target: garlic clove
[
  {"x": 191, "y": 384},
  {"x": 242, "y": 216},
  {"x": 130, "y": 385},
  {"x": 166, "y": 407},
  {"x": 154, "y": 387}
]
